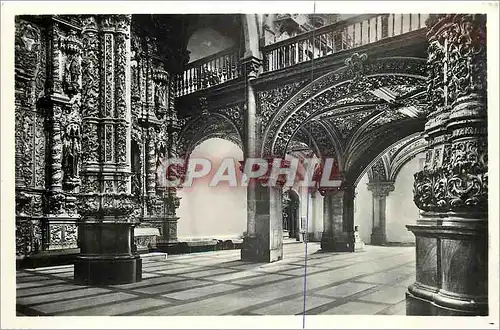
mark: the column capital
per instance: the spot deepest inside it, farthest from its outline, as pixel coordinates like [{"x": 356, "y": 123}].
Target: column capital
[
  {"x": 250, "y": 66},
  {"x": 381, "y": 188}
]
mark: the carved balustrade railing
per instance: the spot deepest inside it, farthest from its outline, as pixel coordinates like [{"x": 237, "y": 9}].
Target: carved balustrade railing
[
  {"x": 347, "y": 34},
  {"x": 209, "y": 71}
]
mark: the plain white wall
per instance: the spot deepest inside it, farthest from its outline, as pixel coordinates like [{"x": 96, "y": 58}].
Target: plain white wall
[
  {"x": 363, "y": 209},
  {"x": 398, "y": 217},
  {"x": 213, "y": 212}
]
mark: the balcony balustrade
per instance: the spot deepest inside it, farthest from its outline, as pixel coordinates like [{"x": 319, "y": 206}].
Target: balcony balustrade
[
  {"x": 209, "y": 71},
  {"x": 343, "y": 35}
]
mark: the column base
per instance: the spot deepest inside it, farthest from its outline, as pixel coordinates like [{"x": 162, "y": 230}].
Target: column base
[
  {"x": 106, "y": 270},
  {"x": 254, "y": 250},
  {"x": 337, "y": 243},
  {"x": 424, "y": 301}
]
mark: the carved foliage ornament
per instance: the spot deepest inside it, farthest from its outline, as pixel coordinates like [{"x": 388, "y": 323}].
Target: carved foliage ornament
[
  {"x": 457, "y": 57},
  {"x": 336, "y": 85},
  {"x": 460, "y": 184},
  {"x": 467, "y": 47},
  {"x": 270, "y": 100}
]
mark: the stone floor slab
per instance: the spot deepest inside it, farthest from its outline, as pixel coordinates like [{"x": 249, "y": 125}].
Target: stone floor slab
[
  {"x": 355, "y": 308},
  {"x": 261, "y": 279},
  {"x": 168, "y": 287},
  {"x": 85, "y": 302},
  {"x": 119, "y": 308},
  {"x": 60, "y": 295},
  {"x": 293, "y": 306},
  {"x": 208, "y": 273},
  {"x": 388, "y": 295},
  {"x": 202, "y": 291},
  {"x": 219, "y": 283},
  {"x": 345, "y": 289}
]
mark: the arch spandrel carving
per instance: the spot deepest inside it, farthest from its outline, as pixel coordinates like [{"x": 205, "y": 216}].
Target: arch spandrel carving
[
  {"x": 370, "y": 147},
  {"x": 206, "y": 126},
  {"x": 336, "y": 85},
  {"x": 394, "y": 158}
]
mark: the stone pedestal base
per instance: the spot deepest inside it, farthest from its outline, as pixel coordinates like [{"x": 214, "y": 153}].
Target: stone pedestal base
[
  {"x": 430, "y": 302},
  {"x": 104, "y": 270},
  {"x": 343, "y": 242},
  {"x": 451, "y": 268},
  {"x": 254, "y": 249},
  {"x": 106, "y": 254}
]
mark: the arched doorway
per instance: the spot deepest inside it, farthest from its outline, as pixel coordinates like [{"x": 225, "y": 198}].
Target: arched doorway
[
  {"x": 291, "y": 206},
  {"x": 212, "y": 212}
]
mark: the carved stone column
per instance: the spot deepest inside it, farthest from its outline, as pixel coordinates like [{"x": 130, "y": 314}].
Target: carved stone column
[
  {"x": 62, "y": 105},
  {"x": 380, "y": 190},
  {"x": 105, "y": 230},
  {"x": 452, "y": 190},
  {"x": 171, "y": 200},
  {"x": 338, "y": 220}
]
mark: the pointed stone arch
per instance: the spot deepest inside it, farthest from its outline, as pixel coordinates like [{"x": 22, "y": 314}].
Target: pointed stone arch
[
  {"x": 204, "y": 127},
  {"x": 346, "y": 81}
]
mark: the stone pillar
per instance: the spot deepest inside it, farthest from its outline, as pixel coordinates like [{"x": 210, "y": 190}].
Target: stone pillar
[
  {"x": 105, "y": 231},
  {"x": 263, "y": 241},
  {"x": 266, "y": 244},
  {"x": 380, "y": 191},
  {"x": 452, "y": 191},
  {"x": 338, "y": 220}
]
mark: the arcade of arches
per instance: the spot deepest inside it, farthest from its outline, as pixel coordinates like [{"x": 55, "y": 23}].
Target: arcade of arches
[{"x": 399, "y": 101}]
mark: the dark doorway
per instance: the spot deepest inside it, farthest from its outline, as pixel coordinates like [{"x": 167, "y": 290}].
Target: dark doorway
[{"x": 291, "y": 205}]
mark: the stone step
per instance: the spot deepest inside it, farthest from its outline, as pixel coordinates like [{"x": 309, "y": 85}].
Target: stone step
[{"x": 154, "y": 256}]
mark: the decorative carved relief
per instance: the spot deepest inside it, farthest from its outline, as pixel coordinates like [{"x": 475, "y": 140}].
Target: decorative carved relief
[
  {"x": 270, "y": 100},
  {"x": 355, "y": 67},
  {"x": 71, "y": 46},
  {"x": 460, "y": 184},
  {"x": 28, "y": 237},
  {"x": 347, "y": 124},
  {"x": 455, "y": 176},
  {"x": 378, "y": 171},
  {"x": 210, "y": 126},
  {"x": 71, "y": 137},
  {"x": 381, "y": 188},
  {"x": 466, "y": 39},
  {"x": 90, "y": 90},
  {"x": 378, "y": 73}
]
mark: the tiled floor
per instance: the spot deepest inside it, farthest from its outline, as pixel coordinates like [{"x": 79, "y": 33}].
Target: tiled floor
[{"x": 218, "y": 283}]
